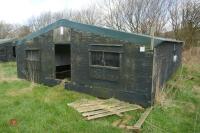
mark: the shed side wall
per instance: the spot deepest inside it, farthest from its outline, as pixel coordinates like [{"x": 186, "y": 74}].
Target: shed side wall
[{"x": 164, "y": 66}]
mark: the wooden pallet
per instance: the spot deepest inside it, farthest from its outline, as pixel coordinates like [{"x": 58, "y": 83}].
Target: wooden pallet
[
  {"x": 122, "y": 122},
  {"x": 93, "y": 109}
]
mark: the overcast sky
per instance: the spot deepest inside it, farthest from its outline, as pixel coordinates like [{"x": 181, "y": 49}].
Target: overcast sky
[{"x": 18, "y": 11}]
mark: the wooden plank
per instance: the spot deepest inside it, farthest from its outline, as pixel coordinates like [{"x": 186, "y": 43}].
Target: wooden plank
[
  {"x": 139, "y": 123},
  {"x": 99, "y": 115},
  {"x": 117, "y": 123},
  {"x": 112, "y": 108},
  {"x": 89, "y": 109},
  {"x": 97, "y": 107},
  {"x": 135, "y": 129},
  {"x": 89, "y": 105},
  {"x": 94, "y": 113},
  {"x": 93, "y": 109},
  {"x": 111, "y": 113},
  {"x": 115, "y": 109},
  {"x": 126, "y": 119}
]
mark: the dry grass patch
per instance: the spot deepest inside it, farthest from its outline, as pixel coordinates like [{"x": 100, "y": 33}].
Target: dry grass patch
[
  {"x": 163, "y": 100},
  {"x": 19, "y": 92},
  {"x": 196, "y": 89},
  {"x": 53, "y": 95},
  {"x": 10, "y": 79}
]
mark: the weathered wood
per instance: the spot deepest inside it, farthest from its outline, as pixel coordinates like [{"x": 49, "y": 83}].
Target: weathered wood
[
  {"x": 100, "y": 106},
  {"x": 126, "y": 119},
  {"x": 117, "y": 123},
  {"x": 103, "y": 110},
  {"x": 93, "y": 109},
  {"x": 139, "y": 123},
  {"x": 123, "y": 122},
  {"x": 111, "y": 113},
  {"x": 94, "y": 112},
  {"x": 135, "y": 129}
]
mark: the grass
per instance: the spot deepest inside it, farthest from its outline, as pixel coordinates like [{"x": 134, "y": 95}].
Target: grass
[{"x": 38, "y": 108}]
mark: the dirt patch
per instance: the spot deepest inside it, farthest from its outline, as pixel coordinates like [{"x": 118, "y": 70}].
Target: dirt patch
[
  {"x": 52, "y": 95},
  {"x": 9, "y": 79},
  {"x": 23, "y": 91}
]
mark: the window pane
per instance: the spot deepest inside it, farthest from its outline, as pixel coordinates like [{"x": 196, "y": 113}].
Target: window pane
[
  {"x": 111, "y": 59},
  {"x": 2, "y": 51},
  {"x": 32, "y": 55},
  {"x": 97, "y": 58}
]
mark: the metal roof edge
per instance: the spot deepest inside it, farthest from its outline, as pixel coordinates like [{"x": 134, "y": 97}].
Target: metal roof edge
[
  {"x": 139, "y": 39},
  {"x": 2, "y": 41}
]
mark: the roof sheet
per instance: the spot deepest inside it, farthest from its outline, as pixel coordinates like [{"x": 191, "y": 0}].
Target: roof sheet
[
  {"x": 135, "y": 38},
  {"x": 3, "y": 41}
]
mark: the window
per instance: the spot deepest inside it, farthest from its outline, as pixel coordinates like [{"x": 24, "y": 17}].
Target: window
[
  {"x": 101, "y": 58},
  {"x": 97, "y": 58},
  {"x": 111, "y": 59},
  {"x": 2, "y": 51},
  {"x": 32, "y": 55}
]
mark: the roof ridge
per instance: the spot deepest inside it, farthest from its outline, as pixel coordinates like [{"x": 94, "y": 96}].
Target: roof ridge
[{"x": 135, "y": 38}]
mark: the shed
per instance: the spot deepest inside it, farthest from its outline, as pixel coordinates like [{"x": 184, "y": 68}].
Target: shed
[
  {"x": 99, "y": 61},
  {"x": 7, "y": 49}
]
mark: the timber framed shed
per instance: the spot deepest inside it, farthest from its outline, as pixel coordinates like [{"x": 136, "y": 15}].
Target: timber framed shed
[
  {"x": 7, "y": 49},
  {"x": 99, "y": 61}
]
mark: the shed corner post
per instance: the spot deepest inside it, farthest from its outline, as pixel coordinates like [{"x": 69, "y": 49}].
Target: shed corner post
[{"x": 152, "y": 34}]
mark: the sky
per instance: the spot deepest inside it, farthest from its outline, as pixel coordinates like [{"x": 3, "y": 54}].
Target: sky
[{"x": 18, "y": 11}]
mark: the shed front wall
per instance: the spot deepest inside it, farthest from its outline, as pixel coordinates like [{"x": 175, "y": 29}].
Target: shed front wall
[
  {"x": 131, "y": 82},
  {"x": 45, "y": 46}
]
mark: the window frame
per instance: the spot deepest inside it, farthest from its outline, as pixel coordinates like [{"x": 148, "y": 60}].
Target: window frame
[
  {"x": 103, "y": 58},
  {"x": 31, "y": 50},
  {"x": 4, "y": 51}
]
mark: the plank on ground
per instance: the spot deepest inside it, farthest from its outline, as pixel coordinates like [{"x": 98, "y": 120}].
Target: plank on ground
[
  {"x": 110, "y": 113},
  {"x": 103, "y": 110},
  {"x": 139, "y": 123},
  {"x": 97, "y": 107},
  {"x": 113, "y": 109}
]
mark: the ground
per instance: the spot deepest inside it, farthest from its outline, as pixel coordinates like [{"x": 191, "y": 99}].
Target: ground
[{"x": 38, "y": 108}]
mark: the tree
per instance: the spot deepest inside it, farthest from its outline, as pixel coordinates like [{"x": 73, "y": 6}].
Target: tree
[
  {"x": 5, "y": 29},
  {"x": 136, "y": 15},
  {"x": 185, "y": 20},
  {"x": 36, "y": 23}
]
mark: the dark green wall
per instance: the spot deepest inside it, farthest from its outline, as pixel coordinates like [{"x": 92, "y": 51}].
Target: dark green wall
[
  {"x": 164, "y": 67},
  {"x": 131, "y": 82},
  {"x": 8, "y": 49}
]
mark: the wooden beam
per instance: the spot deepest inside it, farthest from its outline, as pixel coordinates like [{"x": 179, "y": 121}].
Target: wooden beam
[{"x": 139, "y": 123}]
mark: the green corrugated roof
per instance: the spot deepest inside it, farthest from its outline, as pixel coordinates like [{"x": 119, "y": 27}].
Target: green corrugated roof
[
  {"x": 7, "y": 40},
  {"x": 135, "y": 38}
]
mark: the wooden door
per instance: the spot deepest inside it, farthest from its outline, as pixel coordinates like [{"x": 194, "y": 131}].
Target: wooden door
[{"x": 33, "y": 65}]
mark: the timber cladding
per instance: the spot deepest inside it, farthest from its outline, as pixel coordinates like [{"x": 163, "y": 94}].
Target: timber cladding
[
  {"x": 102, "y": 65},
  {"x": 7, "y": 50},
  {"x": 131, "y": 81},
  {"x": 167, "y": 59}
]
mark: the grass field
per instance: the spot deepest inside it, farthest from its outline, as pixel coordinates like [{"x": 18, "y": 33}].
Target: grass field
[{"x": 40, "y": 109}]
